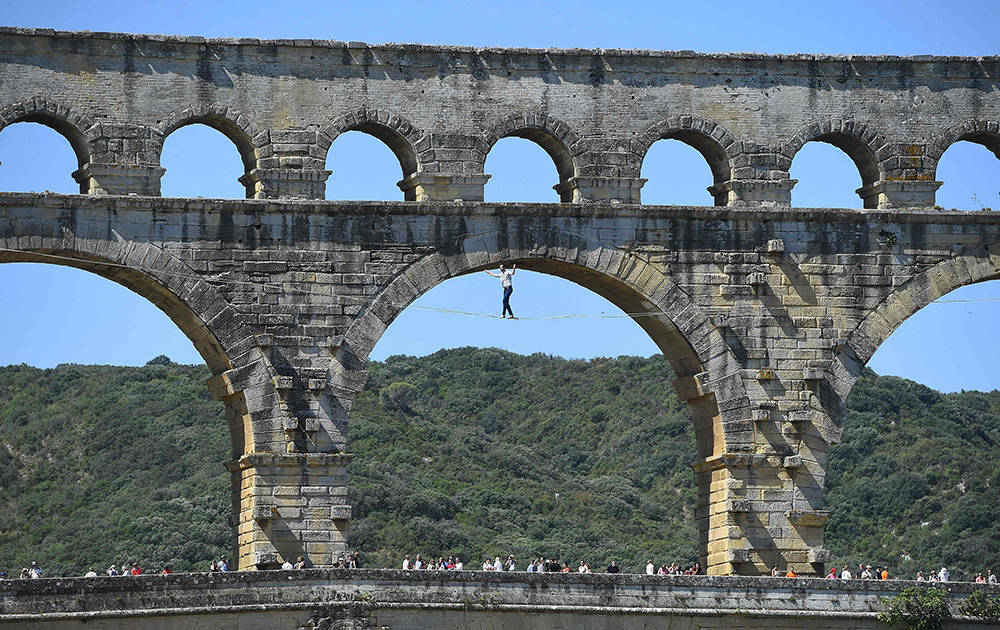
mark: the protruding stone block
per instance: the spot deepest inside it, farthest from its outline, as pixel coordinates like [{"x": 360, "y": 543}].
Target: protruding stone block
[
  {"x": 737, "y": 506},
  {"x": 813, "y": 374},
  {"x": 807, "y": 518},
  {"x": 819, "y": 555},
  {"x": 792, "y": 462},
  {"x": 765, "y": 374}
]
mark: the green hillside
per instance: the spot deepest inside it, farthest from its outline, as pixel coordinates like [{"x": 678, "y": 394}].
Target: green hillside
[{"x": 475, "y": 451}]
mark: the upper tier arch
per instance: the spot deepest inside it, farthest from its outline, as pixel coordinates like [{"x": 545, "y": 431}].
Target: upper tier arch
[
  {"x": 396, "y": 132},
  {"x": 545, "y": 130},
  {"x": 62, "y": 118},
  {"x": 231, "y": 123},
  {"x": 860, "y": 141}
]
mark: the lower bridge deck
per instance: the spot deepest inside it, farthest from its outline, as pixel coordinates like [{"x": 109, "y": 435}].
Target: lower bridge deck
[{"x": 343, "y": 598}]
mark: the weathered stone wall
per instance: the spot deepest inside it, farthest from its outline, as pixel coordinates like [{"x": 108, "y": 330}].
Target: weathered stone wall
[
  {"x": 419, "y": 599},
  {"x": 767, "y": 316},
  {"x": 441, "y": 109}
]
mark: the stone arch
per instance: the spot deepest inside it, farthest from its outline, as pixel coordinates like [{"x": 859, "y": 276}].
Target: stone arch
[
  {"x": 396, "y": 132},
  {"x": 217, "y": 331},
  {"x": 984, "y": 132},
  {"x": 231, "y": 123},
  {"x": 708, "y": 375},
  {"x": 861, "y": 142},
  {"x": 717, "y": 145},
  {"x": 554, "y": 136},
  {"x": 67, "y": 122},
  {"x": 976, "y": 264}
]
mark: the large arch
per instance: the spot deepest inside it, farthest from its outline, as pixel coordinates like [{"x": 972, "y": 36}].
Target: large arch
[
  {"x": 859, "y": 141},
  {"x": 196, "y": 307},
  {"x": 67, "y": 122},
  {"x": 554, "y": 136},
  {"x": 971, "y": 266},
  {"x": 708, "y": 378},
  {"x": 717, "y": 145},
  {"x": 707, "y": 374}
]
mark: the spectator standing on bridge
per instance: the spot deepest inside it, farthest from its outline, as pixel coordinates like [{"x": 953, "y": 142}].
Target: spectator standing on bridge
[
  {"x": 991, "y": 577},
  {"x": 287, "y": 565},
  {"x": 613, "y": 568},
  {"x": 406, "y": 562},
  {"x": 943, "y": 574},
  {"x": 91, "y": 573},
  {"x": 505, "y": 276},
  {"x": 775, "y": 572},
  {"x": 300, "y": 563},
  {"x": 35, "y": 571},
  {"x": 25, "y": 575},
  {"x": 845, "y": 573},
  {"x": 832, "y": 575},
  {"x": 650, "y": 568}
]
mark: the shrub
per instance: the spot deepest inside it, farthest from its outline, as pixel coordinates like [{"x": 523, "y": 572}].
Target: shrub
[
  {"x": 917, "y": 609},
  {"x": 982, "y": 605}
]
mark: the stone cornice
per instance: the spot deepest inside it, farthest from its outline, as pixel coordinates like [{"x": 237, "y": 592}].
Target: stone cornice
[
  {"x": 179, "y": 205},
  {"x": 468, "y": 58}
]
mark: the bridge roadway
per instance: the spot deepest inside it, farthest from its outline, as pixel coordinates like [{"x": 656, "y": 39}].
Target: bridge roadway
[{"x": 344, "y": 598}]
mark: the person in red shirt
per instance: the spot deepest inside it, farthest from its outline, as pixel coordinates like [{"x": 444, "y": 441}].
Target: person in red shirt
[{"x": 136, "y": 569}]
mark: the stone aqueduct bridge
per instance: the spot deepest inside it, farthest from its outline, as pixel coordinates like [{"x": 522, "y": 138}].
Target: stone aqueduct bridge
[{"x": 767, "y": 313}]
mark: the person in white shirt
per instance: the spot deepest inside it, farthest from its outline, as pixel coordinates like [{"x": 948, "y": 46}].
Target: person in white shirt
[
  {"x": 943, "y": 575},
  {"x": 91, "y": 573},
  {"x": 497, "y": 565},
  {"x": 505, "y": 276},
  {"x": 458, "y": 564},
  {"x": 287, "y": 566},
  {"x": 845, "y": 574},
  {"x": 650, "y": 568},
  {"x": 406, "y": 563},
  {"x": 418, "y": 563}
]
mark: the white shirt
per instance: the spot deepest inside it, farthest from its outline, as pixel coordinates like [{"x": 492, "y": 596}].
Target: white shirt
[
  {"x": 406, "y": 564},
  {"x": 505, "y": 276},
  {"x": 459, "y": 566},
  {"x": 498, "y": 566},
  {"x": 91, "y": 573},
  {"x": 845, "y": 574},
  {"x": 288, "y": 566},
  {"x": 650, "y": 569},
  {"x": 418, "y": 564}
]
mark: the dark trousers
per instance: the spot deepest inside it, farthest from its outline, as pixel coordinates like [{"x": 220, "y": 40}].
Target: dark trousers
[{"x": 506, "y": 300}]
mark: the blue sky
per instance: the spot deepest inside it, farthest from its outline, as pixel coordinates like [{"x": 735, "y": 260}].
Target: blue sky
[{"x": 51, "y": 315}]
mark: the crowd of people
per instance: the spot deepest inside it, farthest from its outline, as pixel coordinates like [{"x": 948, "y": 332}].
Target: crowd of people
[
  {"x": 538, "y": 565},
  {"x": 535, "y": 565}
]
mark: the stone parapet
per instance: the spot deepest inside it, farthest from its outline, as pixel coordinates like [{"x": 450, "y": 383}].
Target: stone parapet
[{"x": 420, "y": 599}]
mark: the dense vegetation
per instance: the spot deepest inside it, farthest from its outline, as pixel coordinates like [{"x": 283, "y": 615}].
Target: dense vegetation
[{"x": 475, "y": 451}]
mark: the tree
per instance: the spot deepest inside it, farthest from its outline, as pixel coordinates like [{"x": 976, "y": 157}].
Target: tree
[{"x": 398, "y": 396}]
